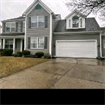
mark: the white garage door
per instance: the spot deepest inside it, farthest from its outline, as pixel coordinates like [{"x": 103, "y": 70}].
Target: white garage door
[{"x": 77, "y": 48}]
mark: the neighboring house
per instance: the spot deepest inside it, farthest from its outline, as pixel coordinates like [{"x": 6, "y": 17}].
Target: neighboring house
[
  {"x": 0, "y": 33},
  {"x": 39, "y": 29}
]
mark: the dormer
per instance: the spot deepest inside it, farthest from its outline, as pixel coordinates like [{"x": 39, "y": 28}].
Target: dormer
[{"x": 75, "y": 20}]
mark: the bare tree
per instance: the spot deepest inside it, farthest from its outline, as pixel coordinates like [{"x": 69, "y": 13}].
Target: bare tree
[{"x": 88, "y": 6}]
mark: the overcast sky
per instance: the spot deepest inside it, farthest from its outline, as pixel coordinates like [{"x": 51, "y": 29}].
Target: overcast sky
[{"x": 15, "y": 8}]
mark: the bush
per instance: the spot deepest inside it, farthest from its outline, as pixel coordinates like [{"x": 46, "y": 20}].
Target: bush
[
  {"x": 1, "y": 50},
  {"x": 39, "y": 54},
  {"x": 26, "y": 52},
  {"x": 7, "y": 52},
  {"x": 20, "y": 53},
  {"x": 47, "y": 56}
]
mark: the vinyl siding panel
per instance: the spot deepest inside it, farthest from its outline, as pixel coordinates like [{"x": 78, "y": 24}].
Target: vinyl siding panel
[
  {"x": 74, "y": 37},
  {"x": 38, "y": 32},
  {"x": 103, "y": 49}
]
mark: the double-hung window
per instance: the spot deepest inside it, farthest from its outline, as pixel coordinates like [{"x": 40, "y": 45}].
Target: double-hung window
[
  {"x": 9, "y": 43},
  {"x": 37, "y": 21},
  {"x": 10, "y": 27},
  {"x": 37, "y": 42}
]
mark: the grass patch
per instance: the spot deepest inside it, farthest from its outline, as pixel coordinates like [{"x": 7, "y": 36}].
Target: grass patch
[{"x": 10, "y": 65}]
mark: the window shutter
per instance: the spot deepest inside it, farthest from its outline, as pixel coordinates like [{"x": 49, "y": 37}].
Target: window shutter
[
  {"x": 45, "y": 43},
  {"x": 28, "y": 42},
  {"x": 4, "y": 27},
  {"x": 29, "y": 24},
  {"x": 21, "y": 26},
  {"x": 16, "y": 26},
  {"x": 46, "y": 21}
]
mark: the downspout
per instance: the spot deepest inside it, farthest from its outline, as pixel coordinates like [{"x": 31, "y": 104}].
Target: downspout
[
  {"x": 101, "y": 45},
  {"x": 50, "y": 38}
]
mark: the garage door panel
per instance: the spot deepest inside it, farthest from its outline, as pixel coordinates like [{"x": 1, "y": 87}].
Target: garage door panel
[{"x": 76, "y": 49}]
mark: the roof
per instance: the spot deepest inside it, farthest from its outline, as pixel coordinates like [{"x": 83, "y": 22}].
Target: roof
[
  {"x": 12, "y": 34},
  {"x": 76, "y": 12},
  {"x": 35, "y": 3},
  {"x": 91, "y": 25},
  {"x": 18, "y": 18}
]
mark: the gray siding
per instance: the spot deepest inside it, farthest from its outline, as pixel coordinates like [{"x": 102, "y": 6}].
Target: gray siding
[
  {"x": 37, "y": 32},
  {"x": 74, "y": 37},
  {"x": 103, "y": 49}
]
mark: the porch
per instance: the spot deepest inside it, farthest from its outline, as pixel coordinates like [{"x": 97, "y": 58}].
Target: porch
[{"x": 12, "y": 42}]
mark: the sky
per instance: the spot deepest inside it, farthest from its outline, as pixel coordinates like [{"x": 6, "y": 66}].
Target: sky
[{"x": 15, "y": 8}]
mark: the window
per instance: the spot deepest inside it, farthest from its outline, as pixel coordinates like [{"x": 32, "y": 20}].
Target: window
[
  {"x": 10, "y": 27},
  {"x": 9, "y": 43},
  {"x": 104, "y": 43},
  {"x": 75, "y": 21},
  {"x": 41, "y": 21},
  {"x": 37, "y": 42},
  {"x": 34, "y": 21},
  {"x": 37, "y": 21},
  {"x": 23, "y": 26},
  {"x": 38, "y": 7}
]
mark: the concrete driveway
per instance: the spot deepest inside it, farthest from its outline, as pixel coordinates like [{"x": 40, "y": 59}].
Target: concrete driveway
[{"x": 60, "y": 73}]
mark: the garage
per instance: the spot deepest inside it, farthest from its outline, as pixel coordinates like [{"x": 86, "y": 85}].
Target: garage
[{"x": 76, "y": 48}]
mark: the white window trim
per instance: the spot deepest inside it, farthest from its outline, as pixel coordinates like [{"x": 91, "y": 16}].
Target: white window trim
[
  {"x": 38, "y": 22},
  {"x": 67, "y": 23},
  {"x": 37, "y": 42},
  {"x": 10, "y": 26}
]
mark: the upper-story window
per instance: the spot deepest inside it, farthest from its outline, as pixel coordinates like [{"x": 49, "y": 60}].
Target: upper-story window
[
  {"x": 23, "y": 26},
  {"x": 38, "y": 6},
  {"x": 10, "y": 26},
  {"x": 75, "y": 21},
  {"x": 37, "y": 21}
]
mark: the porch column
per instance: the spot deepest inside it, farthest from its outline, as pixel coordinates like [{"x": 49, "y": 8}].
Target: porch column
[
  {"x": 3, "y": 43},
  {"x": 0, "y": 43},
  {"x": 14, "y": 46},
  {"x": 21, "y": 44}
]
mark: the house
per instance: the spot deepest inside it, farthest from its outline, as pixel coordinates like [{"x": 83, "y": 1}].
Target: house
[{"x": 40, "y": 29}]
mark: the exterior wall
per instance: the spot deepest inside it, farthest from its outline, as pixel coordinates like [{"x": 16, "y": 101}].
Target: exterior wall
[
  {"x": 103, "y": 47},
  {"x": 38, "y": 32},
  {"x": 74, "y": 37}
]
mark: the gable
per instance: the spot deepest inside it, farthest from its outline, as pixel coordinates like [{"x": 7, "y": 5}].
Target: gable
[{"x": 37, "y": 4}]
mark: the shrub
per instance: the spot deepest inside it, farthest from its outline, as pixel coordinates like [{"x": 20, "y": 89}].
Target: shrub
[
  {"x": 26, "y": 52},
  {"x": 7, "y": 52},
  {"x": 1, "y": 50},
  {"x": 20, "y": 53},
  {"x": 39, "y": 54},
  {"x": 47, "y": 56}
]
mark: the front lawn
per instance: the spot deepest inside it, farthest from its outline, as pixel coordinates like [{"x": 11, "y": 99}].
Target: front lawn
[{"x": 10, "y": 65}]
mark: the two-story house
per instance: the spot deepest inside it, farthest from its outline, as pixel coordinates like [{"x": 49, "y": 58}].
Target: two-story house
[{"x": 40, "y": 29}]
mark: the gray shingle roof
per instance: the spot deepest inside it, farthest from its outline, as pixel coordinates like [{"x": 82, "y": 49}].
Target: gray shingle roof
[
  {"x": 12, "y": 34},
  {"x": 91, "y": 25},
  {"x": 18, "y": 18}
]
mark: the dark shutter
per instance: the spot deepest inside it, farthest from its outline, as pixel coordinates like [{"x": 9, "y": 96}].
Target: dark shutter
[
  {"x": 29, "y": 23},
  {"x": 46, "y": 21},
  {"x": 4, "y": 27},
  {"x": 16, "y": 26},
  {"x": 45, "y": 43},
  {"x": 15, "y": 43},
  {"x": 22, "y": 26},
  {"x": 29, "y": 42}
]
